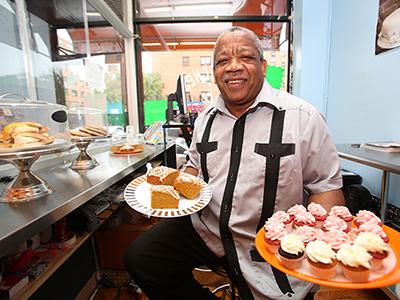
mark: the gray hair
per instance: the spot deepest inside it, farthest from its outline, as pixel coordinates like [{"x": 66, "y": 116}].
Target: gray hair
[{"x": 246, "y": 31}]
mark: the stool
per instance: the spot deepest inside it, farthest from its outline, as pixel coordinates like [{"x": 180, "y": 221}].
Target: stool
[{"x": 227, "y": 289}]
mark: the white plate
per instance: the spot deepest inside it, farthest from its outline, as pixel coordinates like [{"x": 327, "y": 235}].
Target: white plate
[
  {"x": 58, "y": 143},
  {"x": 137, "y": 195}
]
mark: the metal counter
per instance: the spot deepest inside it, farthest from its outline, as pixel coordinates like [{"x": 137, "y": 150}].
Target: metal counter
[{"x": 19, "y": 222}]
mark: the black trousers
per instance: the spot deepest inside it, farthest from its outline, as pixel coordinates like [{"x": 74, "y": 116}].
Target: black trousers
[{"x": 161, "y": 261}]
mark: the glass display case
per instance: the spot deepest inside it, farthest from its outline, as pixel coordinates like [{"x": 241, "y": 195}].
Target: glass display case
[
  {"x": 28, "y": 130},
  {"x": 86, "y": 125}
]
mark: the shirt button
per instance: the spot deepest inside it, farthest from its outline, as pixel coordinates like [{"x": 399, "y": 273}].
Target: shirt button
[{"x": 272, "y": 156}]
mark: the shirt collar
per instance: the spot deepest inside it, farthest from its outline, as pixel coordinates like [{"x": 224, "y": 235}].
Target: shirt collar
[{"x": 267, "y": 95}]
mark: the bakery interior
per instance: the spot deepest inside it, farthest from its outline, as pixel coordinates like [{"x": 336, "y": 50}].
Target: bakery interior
[{"x": 81, "y": 80}]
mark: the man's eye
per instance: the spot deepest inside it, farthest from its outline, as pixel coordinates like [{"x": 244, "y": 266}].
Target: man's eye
[{"x": 247, "y": 58}]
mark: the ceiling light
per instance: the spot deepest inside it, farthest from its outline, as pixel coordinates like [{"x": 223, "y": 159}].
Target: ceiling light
[
  {"x": 158, "y": 9},
  {"x": 93, "y": 14}
]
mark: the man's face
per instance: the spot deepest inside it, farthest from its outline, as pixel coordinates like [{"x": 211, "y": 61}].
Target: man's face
[{"x": 239, "y": 71}]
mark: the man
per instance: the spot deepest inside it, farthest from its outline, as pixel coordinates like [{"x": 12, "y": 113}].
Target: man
[{"x": 258, "y": 148}]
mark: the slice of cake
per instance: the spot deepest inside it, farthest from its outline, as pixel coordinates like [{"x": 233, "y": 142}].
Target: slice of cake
[
  {"x": 162, "y": 176},
  {"x": 188, "y": 186},
  {"x": 164, "y": 196}
]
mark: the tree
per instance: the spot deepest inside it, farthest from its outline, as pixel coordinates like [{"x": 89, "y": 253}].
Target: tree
[
  {"x": 152, "y": 86},
  {"x": 113, "y": 88}
]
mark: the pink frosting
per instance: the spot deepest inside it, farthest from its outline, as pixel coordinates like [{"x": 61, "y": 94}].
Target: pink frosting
[
  {"x": 374, "y": 228},
  {"x": 281, "y": 216},
  {"x": 365, "y": 216},
  {"x": 336, "y": 238},
  {"x": 308, "y": 233},
  {"x": 341, "y": 212},
  {"x": 316, "y": 209},
  {"x": 275, "y": 231},
  {"x": 296, "y": 209},
  {"x": 334, "y": 223}
]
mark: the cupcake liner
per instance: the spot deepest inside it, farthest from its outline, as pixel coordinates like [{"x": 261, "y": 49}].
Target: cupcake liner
[
  {"x": 356, "y": 275},
  {"x": 323, "y": 273},
  {"x": 272, "y": 247},
  {"x": 376, "y": 263},
  {"x": 291, "y": 264}
]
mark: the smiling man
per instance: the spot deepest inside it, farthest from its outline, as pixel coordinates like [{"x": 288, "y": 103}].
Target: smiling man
[{"x": 258, "y": 149}]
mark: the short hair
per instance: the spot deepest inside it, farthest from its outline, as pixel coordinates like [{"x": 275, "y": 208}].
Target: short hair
[{"x": 246, "y": 31}]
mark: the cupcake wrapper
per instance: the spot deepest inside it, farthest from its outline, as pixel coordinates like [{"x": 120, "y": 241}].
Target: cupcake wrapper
[
  {"x": 321, "y": 273},
  {"x": 272, "y": 248},
  {"x": 291, "y": 264},
  {"x": 376, "y": 263},
  {"x": 356, "y": 276}
]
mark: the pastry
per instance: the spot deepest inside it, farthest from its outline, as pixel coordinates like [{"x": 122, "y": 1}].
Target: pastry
[
  {"x": 335, "y": 239},
  {"x": 318, "y": 212},
  {"x": 162, "y": 175},
  {"x": 284, "y": 218},
  {"x": 308, "y": 234},
  {"x": 291, "y": 251},
  {"x": 354, "y": 262},
  {"x": 163, "y": 196},
  {"x": 25, "y": 135},
  {"x": 304, "y": 218},
  {"x": 295, "y": 209},
  {"x": 343, "y": 213},
  {"x": 365, "y": 216},
  {"x": 335, "y": 223},
  {"x": 374, "y": 228},
  {"x": 274, "y": 232},
  {"x": 322, "y": 259},
  {"x": 188, "y": 186},
  {"x": 375, "y": 246}
]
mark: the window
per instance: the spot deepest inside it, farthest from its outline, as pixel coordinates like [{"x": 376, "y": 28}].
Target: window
[
  {"x": 205, "y": 96},
  {"x": 74, "y": 93},
  {"x": 205, "y": 60},
  {"x": 185, "y": 61},
  {"x": 205, "y": 78}
]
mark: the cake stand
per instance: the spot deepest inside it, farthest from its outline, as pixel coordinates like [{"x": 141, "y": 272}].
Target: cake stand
[
  {"x": 28, "y": 186},
  {"x": 84, "y": 161}
]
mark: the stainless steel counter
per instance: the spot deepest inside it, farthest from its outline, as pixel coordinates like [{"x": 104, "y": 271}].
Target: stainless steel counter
[{"x": 19, "y": 222}]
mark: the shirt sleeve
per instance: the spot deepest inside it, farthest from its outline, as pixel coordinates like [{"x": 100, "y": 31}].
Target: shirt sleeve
[{"x": 321, "y": 166}]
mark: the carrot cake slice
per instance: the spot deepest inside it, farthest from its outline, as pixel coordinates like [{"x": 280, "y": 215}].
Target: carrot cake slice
[
  {"x": 188, "y": 186},
  {"x": 163, "y": 196},
  {"x": 162, "y": 176}
]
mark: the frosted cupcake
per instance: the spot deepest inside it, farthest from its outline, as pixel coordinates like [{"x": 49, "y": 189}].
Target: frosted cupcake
[
  {"x": 318, "y": 212},
  {"x": 321, "y": 259},
  {"x": 354, "y": 262},
  {"x": 283, "y": 217},
  {"x": 296, "y": 209},
  {"x": 375, "y": 246},
  {"x": 291, "y": 251},
  {"x": 308, "y": 234},
  {"x": 333, "y": 223},
  {"x": 274, "y": 232},
  {"x": 365, "y": 216},
  {"x": 343, "y": 213},
  {"x": 336, "y": 239},
  {"x": 374, "y": 228},
  {"x": 304, "y": 219}
]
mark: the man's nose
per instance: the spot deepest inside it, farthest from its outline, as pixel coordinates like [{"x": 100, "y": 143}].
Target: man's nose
[{"x": 234, "y": 64}]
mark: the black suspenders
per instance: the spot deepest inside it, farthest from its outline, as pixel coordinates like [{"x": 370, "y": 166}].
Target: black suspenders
[{"x": 273, "y": 151}]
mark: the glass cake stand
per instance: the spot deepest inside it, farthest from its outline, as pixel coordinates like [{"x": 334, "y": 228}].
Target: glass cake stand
[
  {"x": 28, "y": 186},
  {"x": 84, "y": 161}
]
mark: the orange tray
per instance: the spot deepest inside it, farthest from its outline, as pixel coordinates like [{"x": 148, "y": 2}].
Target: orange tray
[
  {"x": 136, "y": 149},
  {"x": 391, "y": 277}
]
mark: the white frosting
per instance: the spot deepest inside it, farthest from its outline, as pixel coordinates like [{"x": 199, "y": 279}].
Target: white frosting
[
  {"x": 319, "y": 251},
  {"x": 371, "y": 242},
  {"x": 292, "y": 243},
  {"x": 354, "y": 256}
]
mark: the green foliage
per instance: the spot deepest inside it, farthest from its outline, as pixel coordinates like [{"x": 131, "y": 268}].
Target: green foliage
[
  {"x": 152, "y": 86},
  {"x": 113, "y": 88}
]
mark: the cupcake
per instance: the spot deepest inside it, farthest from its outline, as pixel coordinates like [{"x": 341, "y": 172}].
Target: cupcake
[
  {"x": 304, "y": 219},
  {"x": 291, "y": 251},
  {"x": 308, "y": 234},
  {"x": 335, "y": 239},
  {"x": 274, "y": 232},
  {"x": 335, "y": 223},
  {"x": 321, "y": 259},
  {"x": 283, "y": 217},
  {"x": 354, "y": 262},
  {"x": 296, "y": 209},
  {"x": 365, "y": 216},
  {"x": 343, "y": 213},
  {"x": 375, "y": 246},
  {"x": 374, "y": 228},
  {"x": 318, "y": 212}
]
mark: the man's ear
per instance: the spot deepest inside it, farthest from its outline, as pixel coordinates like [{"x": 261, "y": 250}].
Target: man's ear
[{"x": 264, "y": 64}]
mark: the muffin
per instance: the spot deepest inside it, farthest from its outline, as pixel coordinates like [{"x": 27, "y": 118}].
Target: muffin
[
  {"x": 188, "y": 186},
  {"x": 321, "y": 259},
  {"x": 354, "y": 262},
  {"x": 335, "y": 239},
  {"x": 375, "y": 246},
  {"x": 283, "y": 217},
  {"x": 335, "y": 223},
  {"x": 274, "y": 232},
  {"x": 308, "y": 234},
  {"x": 304, "y": 218},
  {"x": 343, "y": 213},
  {"x": 318, "y": 212},
  {"x": 365, "y": 216},
  {"x": 374, "y": 228},
  {"x": 291, "y": 251},
  {"x": 296, "y": 209}
]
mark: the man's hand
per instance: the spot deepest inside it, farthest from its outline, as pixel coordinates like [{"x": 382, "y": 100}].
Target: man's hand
[
  {"x": 191, "y": 171},
  {"x": 328, "y": 199}
]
